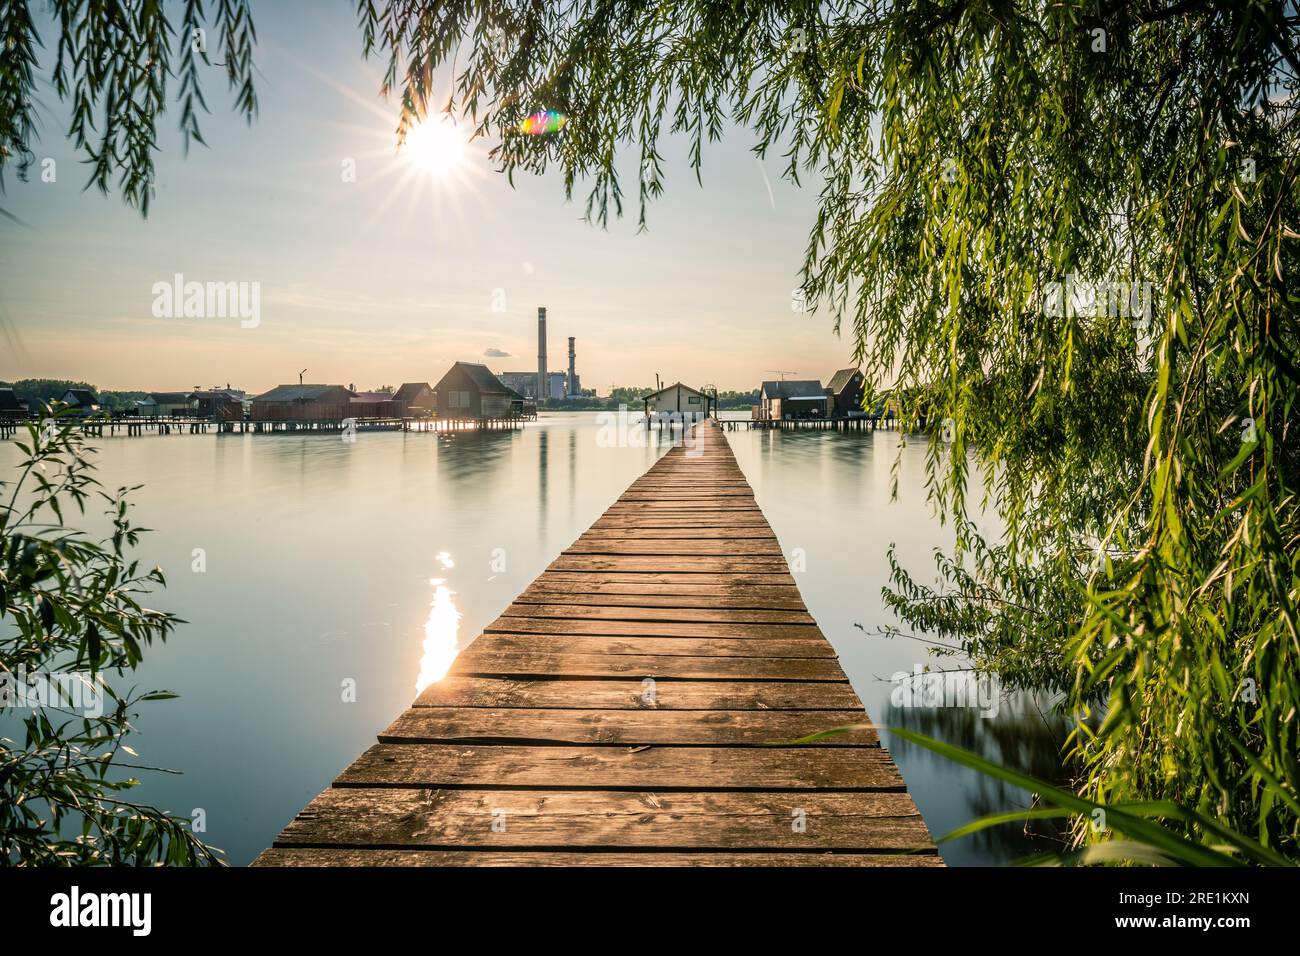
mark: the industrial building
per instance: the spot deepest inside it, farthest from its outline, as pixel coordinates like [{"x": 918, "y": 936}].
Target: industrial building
[
  {"x": 542, "y": 384},
  {"x": 525, "y": 383}
]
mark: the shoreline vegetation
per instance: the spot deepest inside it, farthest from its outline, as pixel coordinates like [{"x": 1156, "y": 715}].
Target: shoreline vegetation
[{"x": 72, "y": 628}]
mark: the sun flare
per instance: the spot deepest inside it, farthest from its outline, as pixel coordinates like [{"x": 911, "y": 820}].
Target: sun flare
[{"x": 435, "y": 146}]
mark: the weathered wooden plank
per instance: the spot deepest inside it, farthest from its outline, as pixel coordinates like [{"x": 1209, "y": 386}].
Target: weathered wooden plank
[
  {"x": 645, "y": 694},
  {"x": 630, "y": 728},
  {"x": 352, "y": 856},
  {"x": 669, "y": 521},
  {"x": 723, "y": 547},
  {"x": 654, "y": 565},
  {"x": 626, "y": 612},
  {"x": 522, "y": 660},
  {"x": 719, "y": 506},
  {"x": 631, "y": 533},
  {"x": 670, "y": 489},
  {"x": 575, "y": 583},
  {"x": 545, "y": 625},
  {"x": 389, "y": 817},
  {"x": 795, "y": 648},
  {"x": 673, "y": 580},
  {"x": 755, "y": 600},
  {"x": 662, "y": 769},
  {"x": 705, "y": 496}
]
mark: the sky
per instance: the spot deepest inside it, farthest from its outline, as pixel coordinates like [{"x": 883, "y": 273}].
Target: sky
[{"x": 393, "y": 276}]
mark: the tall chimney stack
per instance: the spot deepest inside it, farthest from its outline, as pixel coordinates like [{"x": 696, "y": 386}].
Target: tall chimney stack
[
  {"x": 573, "y": 375},
  {"x": 541, "y": 354}
]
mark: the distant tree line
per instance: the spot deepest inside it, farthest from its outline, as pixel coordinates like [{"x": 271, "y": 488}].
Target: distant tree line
[{"x": 51, "y": 389}]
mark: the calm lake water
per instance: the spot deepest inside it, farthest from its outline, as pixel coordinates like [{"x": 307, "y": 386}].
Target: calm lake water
[{"x": 304, "y": 563}]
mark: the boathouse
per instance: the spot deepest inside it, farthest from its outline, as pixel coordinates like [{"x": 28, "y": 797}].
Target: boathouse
[
  {"x": 522, "y": 406},
  {"x": 375, "y": 405},
  {"x": 84, "y": 400},
  {"x": 304, "y": 403},
  {"x": 846, "y": 387},
  {"x": 470, "y": 390},
  {"x": 416, "y": 400},
  {"x": 11, "y": 406},
  {"x": 681, "y": 400},
  {"x": 792, "y": 399},
  {"x": 166, "y": 404},
  {"x": 222, "y": 405}
]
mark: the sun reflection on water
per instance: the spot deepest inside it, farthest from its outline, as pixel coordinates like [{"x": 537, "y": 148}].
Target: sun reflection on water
[{"x": 440, "y": 644}]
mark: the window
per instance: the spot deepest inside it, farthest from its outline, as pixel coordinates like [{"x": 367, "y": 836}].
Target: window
[{"x": 693, "y": 400}]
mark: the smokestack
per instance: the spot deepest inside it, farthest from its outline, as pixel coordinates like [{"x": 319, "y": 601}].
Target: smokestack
[
  {"x": 541, "y": 353},
  {"x": 573, "y": 375}
]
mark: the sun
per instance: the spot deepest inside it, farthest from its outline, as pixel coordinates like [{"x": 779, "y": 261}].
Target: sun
[{"x": 435, "y": 146}]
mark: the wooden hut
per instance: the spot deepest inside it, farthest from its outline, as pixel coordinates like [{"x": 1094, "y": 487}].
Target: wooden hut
[
  {"x": 220, "y": 405},
  {"x": 416, "y": 400},
  {"x": 11, "y": 406},
  {"x": 792, "y": 399},
  {"x": 166, "y": 405},
  {"x": 846, "y": 387},
  {"x": 679, "y": 399},
  {"x": 317, "y": 403},
  {"x": 83, "y": 400},
  {"x": 470, "y": 390}
]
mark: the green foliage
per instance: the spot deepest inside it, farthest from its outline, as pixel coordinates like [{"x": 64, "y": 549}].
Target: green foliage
[
  {"x": 112, "y": 63},
  {"x": 629, "y": 395},
  {"x": 1141, "y": 837},
  {"x": 45, "y": 390},
  {"x": 70, "y": 606},
  {"x": 50, "y": 390},
  {"x": 737, "y": 400},
  {"x": 970, "y": 153}
]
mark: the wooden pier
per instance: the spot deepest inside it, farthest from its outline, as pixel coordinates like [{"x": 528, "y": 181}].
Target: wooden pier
[
  {"x": 635, "y": 705},
  {"x": 855, "y": 423},
  {"x": 165, "y": 425}
]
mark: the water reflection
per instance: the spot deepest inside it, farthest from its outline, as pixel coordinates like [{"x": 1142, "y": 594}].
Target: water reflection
[
  {"x": 1025, "y": 736},
  {"x": 441, "y": 629}
]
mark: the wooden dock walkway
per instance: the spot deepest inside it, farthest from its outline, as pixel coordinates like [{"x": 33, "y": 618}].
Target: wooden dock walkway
[{"x": 633, "y": 706}]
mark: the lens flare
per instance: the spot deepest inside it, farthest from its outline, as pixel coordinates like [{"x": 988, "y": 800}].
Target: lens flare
[{"x": 538, "y": 124}]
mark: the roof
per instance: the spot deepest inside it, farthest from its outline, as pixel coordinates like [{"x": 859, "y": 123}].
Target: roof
[
  {"x": 9, "y": 399},
  {"x": 171, "y": 398},
  {"x": 296, "y": 393},
  {"x": 842, "y": 379},
  {"x": 83, "y": 396},
  {"x": 667, "y": 388},
  {"x": 226, "y": 393},
  {"x": 794, "y": 389},
  {"x": 410, "y": 390},
  {"x": 482, "y": 378}
]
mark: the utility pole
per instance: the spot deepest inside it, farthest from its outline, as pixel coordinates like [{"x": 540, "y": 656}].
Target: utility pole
[{"x": 300, "y": 375}]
